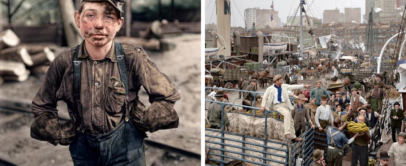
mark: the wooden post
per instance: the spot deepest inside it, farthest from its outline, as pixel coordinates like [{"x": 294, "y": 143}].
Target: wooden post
[
  {"x": 71, "y": 32},
  {"x": 128, "y": 18}
]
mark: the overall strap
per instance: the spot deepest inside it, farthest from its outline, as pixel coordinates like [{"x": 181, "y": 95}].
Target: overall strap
[
  {"x": 331, "y": 135},
  {"x": 76, "y": 75},
  {"x": 123, "y": 75},
  {"x": 122, "y": 66}
]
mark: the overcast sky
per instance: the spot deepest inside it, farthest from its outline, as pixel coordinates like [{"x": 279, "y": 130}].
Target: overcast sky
[{"x": 282, "y": 6}]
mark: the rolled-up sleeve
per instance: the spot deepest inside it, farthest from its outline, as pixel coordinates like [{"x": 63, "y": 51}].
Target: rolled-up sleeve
[{"x": 46, "y": 100}]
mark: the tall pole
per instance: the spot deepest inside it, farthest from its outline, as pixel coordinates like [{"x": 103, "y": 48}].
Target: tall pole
[
  {"x": 301, "y": 29},
  {"x": 128, "y": 18}
]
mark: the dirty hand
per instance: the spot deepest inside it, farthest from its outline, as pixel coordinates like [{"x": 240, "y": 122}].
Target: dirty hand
[
  {"x": 313, "y": 126},
  {"x": 320, "y": 129},
  {"x": 262, "y": 109}
]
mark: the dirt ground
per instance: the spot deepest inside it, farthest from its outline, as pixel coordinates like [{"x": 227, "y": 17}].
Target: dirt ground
[{"x": 182, "y": 65}]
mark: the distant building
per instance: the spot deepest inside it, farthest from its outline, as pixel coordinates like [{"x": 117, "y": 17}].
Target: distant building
[
  {"x": 330, "y": 16},
  {"x": 261, "y": 18},
  {"x": 352, "y": 14},
  {"x": 250, "y": 17},
  {"x": 211, "y": 26},
  {"x": 342, "y": 18}
]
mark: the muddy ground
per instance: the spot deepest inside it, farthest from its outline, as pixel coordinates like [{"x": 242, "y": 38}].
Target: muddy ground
[{"x": 182, "y": 65}]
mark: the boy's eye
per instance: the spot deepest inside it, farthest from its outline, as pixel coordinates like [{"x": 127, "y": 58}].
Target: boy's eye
[{"x": 90, "y": 15}]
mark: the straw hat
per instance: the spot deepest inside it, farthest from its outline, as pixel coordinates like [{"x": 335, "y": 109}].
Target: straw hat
[{"x": 301, "y": 97}]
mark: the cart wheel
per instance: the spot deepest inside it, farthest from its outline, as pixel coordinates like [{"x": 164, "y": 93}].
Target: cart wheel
[{"x": 228, "y": 85}]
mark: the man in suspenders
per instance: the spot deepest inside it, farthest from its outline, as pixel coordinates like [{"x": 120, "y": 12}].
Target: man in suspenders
[
  {"x": 336, "y": 143},
  {"x": 100, "y": 80}
]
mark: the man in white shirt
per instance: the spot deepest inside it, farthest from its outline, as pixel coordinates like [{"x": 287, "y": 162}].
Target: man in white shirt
[
  {"x": 277, "y": 97},
  {"x": 398, "y": 150},
  {"x": 323, "y": 115},
  {"x": 335, "y": 71},
  {"x": 213, "y": 93}
]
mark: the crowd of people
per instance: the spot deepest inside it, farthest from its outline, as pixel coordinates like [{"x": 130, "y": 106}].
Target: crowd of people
[{"x": 330, "y": 114}]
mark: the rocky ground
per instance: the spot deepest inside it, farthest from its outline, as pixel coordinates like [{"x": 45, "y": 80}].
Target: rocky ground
[{"x": 182, "y": 65}]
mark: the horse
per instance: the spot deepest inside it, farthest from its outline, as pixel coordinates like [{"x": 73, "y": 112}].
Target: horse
[{"x": 323, "y": 70}]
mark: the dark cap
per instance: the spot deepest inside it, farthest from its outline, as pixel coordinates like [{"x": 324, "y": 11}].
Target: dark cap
[
  {"x": 342, "y": 93},
  {"x": 383, "y": 155},
  {"x": 219, "y": 93},
  {"x": 118, "y": 4},
  {"x": 363, "y": 108},
  {"x": 369, "y": 106},
  {"x": 396, "y": 103},
  {"x": 323, "y": 97}
]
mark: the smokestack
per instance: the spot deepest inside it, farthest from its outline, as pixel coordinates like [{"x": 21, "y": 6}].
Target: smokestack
[
  {"x": 237, "y": 42},
  {"x": 224, "y": 23},
  {"x": 214, "y": 35},
  {"x": 260, "y": 46}
]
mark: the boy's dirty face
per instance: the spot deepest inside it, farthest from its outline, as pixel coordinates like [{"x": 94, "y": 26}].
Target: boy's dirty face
[{"x": 98, "y": 23}]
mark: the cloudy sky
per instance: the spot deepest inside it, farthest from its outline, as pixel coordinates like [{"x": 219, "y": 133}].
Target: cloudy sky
[{"x": 284, "y": 7}]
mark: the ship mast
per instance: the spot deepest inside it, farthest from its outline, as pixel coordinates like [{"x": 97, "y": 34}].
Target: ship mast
[{"x": 301, "y": 29}]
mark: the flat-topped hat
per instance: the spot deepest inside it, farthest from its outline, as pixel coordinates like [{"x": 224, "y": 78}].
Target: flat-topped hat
[
  {"x": 396, "y": 103},
  {"x": 219, "y": 93},
  {"x": 354, "y": 89},
  {"x": 253, "y": 80},
  {"x": 323, "y": 97},
  {"x": 277, "y": 77},
  {"x": 383, "y": 155},
  {"x": 118, "y": 4}
]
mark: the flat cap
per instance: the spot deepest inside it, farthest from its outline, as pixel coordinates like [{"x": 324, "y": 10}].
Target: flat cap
[
  {"x": 118, "y": 4},
  {"x": 277, "y": 77},
  {"x": 318, "y": 154},
  {"x": 354, "y": 89}
]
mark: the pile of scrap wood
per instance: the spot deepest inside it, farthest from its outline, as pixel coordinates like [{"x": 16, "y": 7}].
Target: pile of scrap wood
[{"x": 18, "y": 60}]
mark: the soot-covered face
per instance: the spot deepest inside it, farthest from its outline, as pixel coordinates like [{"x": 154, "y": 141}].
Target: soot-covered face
[{"x": 98, "y": 23}]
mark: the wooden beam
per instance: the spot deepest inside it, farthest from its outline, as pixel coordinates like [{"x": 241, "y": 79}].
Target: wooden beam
[
  {"x": 128, "y": 18},
  {"x": 67, "y": 14}
]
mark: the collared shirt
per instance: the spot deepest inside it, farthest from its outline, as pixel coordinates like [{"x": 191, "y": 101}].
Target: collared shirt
[
  {"x": 214, "y": 116},
  {"x": 300, "y": 107},
  {"x": 397, "y": 152},
  {"x": 323, "y": 113},
  {"x": 339, "y": 139},
  {"x": 275, "y": 96},
  {"x": 361, "y": 99},
  {"x": 101, "y": 107}
]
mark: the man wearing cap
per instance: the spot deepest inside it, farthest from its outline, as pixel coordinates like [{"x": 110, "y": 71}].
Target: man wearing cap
[
  {"x": 396, "y": 116},
  {"x": 362, "y": 111},
  {"x": 248, "y": 97},
  {"x": 214, "y": 113},
  {"x": 221, "y": 81},
  {"x": 360, "y": 146},
  {"x": 356, "y": 102},
  {"x": 277, "y": 97},
  {"x": 318, "y": 156},
  {"x": 300, "y": 115},
  {"x": 323, "y": 115},
  {"x": 100, "y": 80},
  {"x": 375, "y": 97},
  {"x": 384, "y": 158},
  {"x": 343, "y": 100},
  {"x": 377, "y": 80},
  {"x": 318, "y": 92},
  {"x": 372, "y": 116},
  {"x": 337, "y": 141},
  {"x": 240, "y": 86},
  {"x": 244, "y": 84},
  {"x": 398, "y": 150}
]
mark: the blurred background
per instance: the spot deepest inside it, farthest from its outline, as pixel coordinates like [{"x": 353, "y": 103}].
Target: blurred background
[{"x": 34, "y": 32}]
